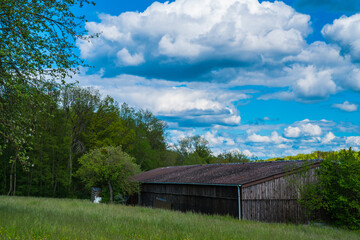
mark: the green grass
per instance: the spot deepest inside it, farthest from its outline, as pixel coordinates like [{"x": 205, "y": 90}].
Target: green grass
[{"x": 37, "y": 218}]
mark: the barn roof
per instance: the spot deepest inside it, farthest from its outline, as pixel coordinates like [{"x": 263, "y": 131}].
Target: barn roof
[{"x": 244, "y": 174}]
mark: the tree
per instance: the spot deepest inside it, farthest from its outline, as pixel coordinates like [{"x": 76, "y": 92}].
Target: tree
[
  {"x": 106, "y": 128},
  {"x": 111, "y": 167},
  {"x": 231, "y": 157},
  {"x": 38, "y": 39},
  {"x": 193, "y": 150},
  {"x": 150, "y": 145},
  {"x": 337, "y": 190}
]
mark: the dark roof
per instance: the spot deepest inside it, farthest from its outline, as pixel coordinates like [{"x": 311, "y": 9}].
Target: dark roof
[{"x": 233, "y": 173}]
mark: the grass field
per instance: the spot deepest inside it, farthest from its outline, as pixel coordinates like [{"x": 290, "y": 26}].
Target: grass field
[{"x": 36, "y": 218}]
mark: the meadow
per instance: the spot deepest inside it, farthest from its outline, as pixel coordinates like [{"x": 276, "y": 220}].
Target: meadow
[{"x": 44, "y": 218}]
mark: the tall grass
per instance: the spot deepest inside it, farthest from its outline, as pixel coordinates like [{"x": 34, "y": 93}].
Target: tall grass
[{"x": 36, "y": 218}]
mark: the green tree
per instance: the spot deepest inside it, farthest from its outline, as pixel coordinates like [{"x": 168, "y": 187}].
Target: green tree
[
  {"x": 109, "y": 167},
  {"x": 38, "y": 39},
  {"x": 231, "y": 157},
  {"x": 193, "y": 150},
  {"x": 337, "y": 190},
  {"x": 106, "y": 128},
  {"x": 149, "y": 146}
]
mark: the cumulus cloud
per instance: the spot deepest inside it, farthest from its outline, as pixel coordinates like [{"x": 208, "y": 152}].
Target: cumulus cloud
[
  {"x": 242, "y": 42},
  {"x": 328, "y": 138},
  {"x": 292, "y": 132},
  {"x": 345, "y": 31},
  {"x": 126, "y": 59},
  {"x": 217, "y": 140},
  {"x": 353, "y": 141},
  {"x": 346, "y": 106},
  {"x": 274, "y": 138},
  {"x": 245, "y": 152},
  {"x": 179, "y": 102},
  {"x": 175, "y": 135},
  {"x": 311, "y": 129},
  {"x": 303, "y": 128},
  {"x": 316, "y": 73},
  {"x": 327, "y": 65},
  {"x": 216, "y": 33},
  {"x": 313, "y": 83}
]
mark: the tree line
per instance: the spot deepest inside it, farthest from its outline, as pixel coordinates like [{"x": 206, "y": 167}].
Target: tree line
[{"x": 60, "y": 123}]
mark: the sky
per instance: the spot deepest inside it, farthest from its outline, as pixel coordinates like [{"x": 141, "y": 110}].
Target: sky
[{"x": 265, "y": 78}]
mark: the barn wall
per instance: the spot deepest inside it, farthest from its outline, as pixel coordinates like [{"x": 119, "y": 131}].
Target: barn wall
[
  {"x": 208, "y": 199},
  {"x": 276, "y": 200}
]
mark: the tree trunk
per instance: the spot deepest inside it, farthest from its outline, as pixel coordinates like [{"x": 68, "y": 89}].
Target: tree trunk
[
  {"x": 30, "y": 181},
  {"x": 111, "y": 193},
  {"x": 11, "y": 180},
  {"x": 70, "y": 167},
  {"x": 14, "y": 180},
  {"x": 54, "y": 189},
  {"x": 12, "y": 187}
]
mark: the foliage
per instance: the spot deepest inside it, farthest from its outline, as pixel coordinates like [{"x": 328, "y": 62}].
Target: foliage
[
  {"x": 43, "y": 218},
  {"x": 37, "y": 45},
  {"x": 231, "y": 157},
  {"x": 38, "y": 37},
  {"x": 310, "y": 156},
  {"x": 148, "y": 146},
  {"x": 337, "y": 191},
  {"x": 111, "y": 167},
  {"x": 71, "y": 122},
  {"x": 193, "y": 150}
]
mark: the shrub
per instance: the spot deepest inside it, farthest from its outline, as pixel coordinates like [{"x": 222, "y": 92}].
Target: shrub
[
  {"x": 337, "y": 192},
  {"x": 109, "y": 167}
]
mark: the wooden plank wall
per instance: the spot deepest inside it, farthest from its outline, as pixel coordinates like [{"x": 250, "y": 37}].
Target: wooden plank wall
[
  {"x": 276, "y": 200},
  {"x": 222, "y": 200}
]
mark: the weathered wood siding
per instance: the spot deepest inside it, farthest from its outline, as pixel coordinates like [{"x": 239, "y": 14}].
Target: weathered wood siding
[
  {"x": 276, "y": 200},
  {"x": 206, "y": 199}
]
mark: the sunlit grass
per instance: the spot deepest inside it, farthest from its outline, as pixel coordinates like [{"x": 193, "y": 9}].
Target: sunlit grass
[{"x": 37, "y": 218}]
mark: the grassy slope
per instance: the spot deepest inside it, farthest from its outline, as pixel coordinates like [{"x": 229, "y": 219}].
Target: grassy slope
[{"x": 35, "y": 218}]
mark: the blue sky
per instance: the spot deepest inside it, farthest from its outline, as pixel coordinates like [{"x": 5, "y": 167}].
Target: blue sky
[{"x": 266, "y": 78}]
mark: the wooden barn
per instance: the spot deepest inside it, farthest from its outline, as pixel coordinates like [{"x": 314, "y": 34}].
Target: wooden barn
[{"x": 260, "y": 191}]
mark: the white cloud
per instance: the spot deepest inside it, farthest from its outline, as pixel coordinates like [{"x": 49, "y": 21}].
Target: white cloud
[
  {"x": 232, "y": 29},
  {"x": 353, "y": 141},
  {"x": 175, "y": 135},
  {"x": 245, "y": 152},
  {"x": 283, "y": 146},
  {"x": 292, "y": 132},
  {"x": 317, "y": 72},
  {"x": 346, "y": 106},
  {"x": 345, "y": 31},
  {"x": 313, "y": 83},
  {"x": 195, "y": 102},
  {"x": 328, "y": 138},
  {"x": 311, "y": 129},
  {"x": 303, "y": 128},
  {"x": 258, "y": 138},
  {"x": 126, "y": 59},
  {"x": 215, "y": 140},
  {"x": 274, "y": 138}
]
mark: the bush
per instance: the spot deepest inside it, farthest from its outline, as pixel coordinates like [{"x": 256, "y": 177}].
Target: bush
[
  {"x": 336, "y": 194},
  {"x": 111, "y": 168}
]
